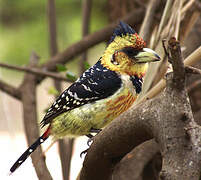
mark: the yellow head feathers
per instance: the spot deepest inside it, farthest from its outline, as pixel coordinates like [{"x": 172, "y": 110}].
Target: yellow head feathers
[{"x": 124, "y": 53}]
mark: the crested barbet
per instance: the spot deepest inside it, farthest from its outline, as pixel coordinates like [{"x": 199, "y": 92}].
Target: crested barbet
[{"x": 102, "y": 93}]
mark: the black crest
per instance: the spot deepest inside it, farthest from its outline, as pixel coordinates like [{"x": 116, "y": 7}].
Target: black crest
[{"x": 122, "y": 29}]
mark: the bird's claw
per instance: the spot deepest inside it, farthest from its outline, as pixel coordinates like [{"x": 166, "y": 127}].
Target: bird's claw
[
  {"x": 83, "y": 152},
  {"x": 89, "y": 141}
]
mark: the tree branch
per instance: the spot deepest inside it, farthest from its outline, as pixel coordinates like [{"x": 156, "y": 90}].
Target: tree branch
[
  {"x": 12, "y": 91},
  {"x": 135, "y": 161},
  {"x": 146, "y": 29},
  {"x": 192, "y": 70},
  {"x": 35, "y": 71},
  {"x": 86, "y": 14}
]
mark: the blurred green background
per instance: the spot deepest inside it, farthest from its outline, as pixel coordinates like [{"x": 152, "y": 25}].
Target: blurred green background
[{"x": 24, "y": 28}]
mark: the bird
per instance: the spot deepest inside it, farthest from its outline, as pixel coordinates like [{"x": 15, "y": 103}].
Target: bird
[{"x": 101, "y": 93}]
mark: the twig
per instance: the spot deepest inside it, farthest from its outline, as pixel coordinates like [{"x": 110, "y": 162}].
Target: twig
[
  {"x": 35, "y": 71},
  {"x": 148, "y": 20},
  {"x": 12, "y": 91},
  {"x": 192, "y": 70},
  {"x": 187, "y": 6},
  {"x": 164, "y": 18},
  {"x": 178, "y": 65},
  {"x": 51, "y": 15},
  {"x": 165, "y": 50},
  {"x": 86, "y": 13}
]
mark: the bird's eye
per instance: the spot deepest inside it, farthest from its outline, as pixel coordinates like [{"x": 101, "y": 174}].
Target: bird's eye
[
  {"x": 130, "y": 51},
  {"x": 113, "y": 60}
]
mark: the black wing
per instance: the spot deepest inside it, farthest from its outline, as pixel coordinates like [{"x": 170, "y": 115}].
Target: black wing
[{"x": 96, "y": 83}]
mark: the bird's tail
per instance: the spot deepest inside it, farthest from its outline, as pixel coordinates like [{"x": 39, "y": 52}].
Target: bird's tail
[{"x": 31, "y": 149}]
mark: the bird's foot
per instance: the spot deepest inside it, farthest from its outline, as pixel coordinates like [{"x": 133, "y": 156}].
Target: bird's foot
[
  {"x": 90, "y": 136},
  {"x": 83, "y": 152},
  {"x": 90, "y": 140},
  {"x": 94, "y": 130}
]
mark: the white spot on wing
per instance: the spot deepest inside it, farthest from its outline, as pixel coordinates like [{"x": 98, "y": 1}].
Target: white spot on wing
[
  {"x": 30, "y": 150},
  {"x": 70, "y": 93},
  {"x": 86, "y": 88}
]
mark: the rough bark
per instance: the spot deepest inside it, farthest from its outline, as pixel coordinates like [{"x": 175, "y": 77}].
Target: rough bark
[{"x": 133, "y": 163}]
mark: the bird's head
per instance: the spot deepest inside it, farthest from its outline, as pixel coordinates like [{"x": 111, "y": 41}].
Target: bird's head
[{"x": 126, "y": 52}]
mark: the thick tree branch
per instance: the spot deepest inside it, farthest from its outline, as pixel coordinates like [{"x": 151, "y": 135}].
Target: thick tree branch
[
  {"x": 35, "y": 71},
  {"x": 135, "y": 161},
  {"x": 12, "y": 91},
  {"x": 168, "y": 118}
]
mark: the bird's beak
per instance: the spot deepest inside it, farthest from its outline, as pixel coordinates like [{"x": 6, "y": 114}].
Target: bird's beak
[{"x": 147, "y": 55}]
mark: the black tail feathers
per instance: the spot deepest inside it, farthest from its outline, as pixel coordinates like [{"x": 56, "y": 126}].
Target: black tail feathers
[{"x": 28, "y": 152}]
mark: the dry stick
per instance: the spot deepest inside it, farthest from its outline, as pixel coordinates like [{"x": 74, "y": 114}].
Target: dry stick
[
  {"x": 28, "y": 90},
  {"x": 35, "y": 71},
  {"x": 187, "y": 6},
  {"x": 192, "y": 70},
  {"x": 153, "y": 68},
  {"x": 187, "y": 28},
  {"x": 164, "y": 18},
  {"x": 145, "y": 29}
]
